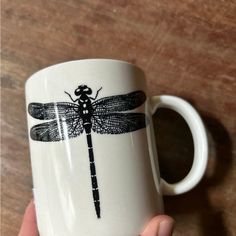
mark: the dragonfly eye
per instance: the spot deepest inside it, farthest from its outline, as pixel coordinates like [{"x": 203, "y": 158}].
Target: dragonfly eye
[
  {"x": 77, "y": 92},
  {"x": 88, "y": 90}
]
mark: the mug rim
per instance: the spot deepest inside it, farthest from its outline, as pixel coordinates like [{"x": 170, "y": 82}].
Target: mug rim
[{"x": 83, "y": 60}]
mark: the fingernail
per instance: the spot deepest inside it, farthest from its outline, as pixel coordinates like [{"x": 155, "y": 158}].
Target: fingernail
[{"x": 166, "y": 228}]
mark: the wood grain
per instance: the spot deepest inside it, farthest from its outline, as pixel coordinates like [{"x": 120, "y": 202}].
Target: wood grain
[{"x": 186, "y": 48}]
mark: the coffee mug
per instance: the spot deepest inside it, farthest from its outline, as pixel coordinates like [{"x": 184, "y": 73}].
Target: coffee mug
[{"x": 92, "y": 146}]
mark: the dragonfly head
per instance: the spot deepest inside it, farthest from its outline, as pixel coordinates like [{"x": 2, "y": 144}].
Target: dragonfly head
[{"x": 83, "y": 89}]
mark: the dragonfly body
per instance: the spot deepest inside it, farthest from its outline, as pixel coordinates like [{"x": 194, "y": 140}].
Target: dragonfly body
[
  {"x": 85, "y": 111},
  {"x": 103, "y": 116}
]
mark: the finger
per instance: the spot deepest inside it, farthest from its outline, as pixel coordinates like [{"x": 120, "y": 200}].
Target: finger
[
  {"x": 29, "y": 224},
  {"x": 161, "y": 225}
]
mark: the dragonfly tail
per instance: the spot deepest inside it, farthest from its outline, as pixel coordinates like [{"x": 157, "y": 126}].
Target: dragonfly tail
[{"x": 94, "y": 181}]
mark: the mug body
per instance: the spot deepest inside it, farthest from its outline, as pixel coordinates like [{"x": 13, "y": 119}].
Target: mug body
[{"x": 90, "y": 133}]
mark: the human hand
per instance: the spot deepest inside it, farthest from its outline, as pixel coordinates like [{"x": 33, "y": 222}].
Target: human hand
[
  {"x": 29, "y": 224},
  {"x": 161, "y": 225}
]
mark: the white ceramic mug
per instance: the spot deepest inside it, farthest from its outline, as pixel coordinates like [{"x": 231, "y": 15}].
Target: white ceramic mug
[{"x": 94, "y": 162}]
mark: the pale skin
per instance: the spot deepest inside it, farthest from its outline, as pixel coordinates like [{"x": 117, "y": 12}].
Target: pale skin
[{"x": 161, "y": 225}]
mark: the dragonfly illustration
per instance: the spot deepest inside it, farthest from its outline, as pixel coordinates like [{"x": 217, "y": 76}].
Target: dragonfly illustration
[{"x": 103, "y": 116}]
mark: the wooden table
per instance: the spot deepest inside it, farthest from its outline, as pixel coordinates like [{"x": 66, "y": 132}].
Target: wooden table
[{"x": 187, "y": 48}]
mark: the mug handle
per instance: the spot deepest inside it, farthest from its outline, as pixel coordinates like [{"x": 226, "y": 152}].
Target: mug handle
[{"x": 199, "y": 139}]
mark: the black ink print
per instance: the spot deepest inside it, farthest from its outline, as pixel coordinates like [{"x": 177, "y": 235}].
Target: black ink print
[{"x": 103, "y": 116}]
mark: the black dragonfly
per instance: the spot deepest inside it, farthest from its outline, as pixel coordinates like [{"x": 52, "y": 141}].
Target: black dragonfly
[{"x": 103, "y": 116}]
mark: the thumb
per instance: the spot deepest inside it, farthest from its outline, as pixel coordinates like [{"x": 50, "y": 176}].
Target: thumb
[
  {"x": 29, "y": 225},
  {"x": 161, "y": 225}
]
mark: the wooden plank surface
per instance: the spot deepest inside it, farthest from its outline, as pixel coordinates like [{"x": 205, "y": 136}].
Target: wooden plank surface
[{"x": 186, "y": 48}]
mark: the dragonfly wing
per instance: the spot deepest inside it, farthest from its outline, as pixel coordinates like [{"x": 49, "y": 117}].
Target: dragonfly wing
[
  {"x": 119, "y": 103},
  {"x": 57, "y": 130},
  {"x": 118, "y": 123},
  {"x": 52, "y": 110}
]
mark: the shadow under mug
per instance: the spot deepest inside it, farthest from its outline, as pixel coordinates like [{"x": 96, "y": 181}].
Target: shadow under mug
[{"x": 92, "y": 146}]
